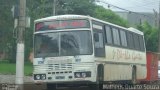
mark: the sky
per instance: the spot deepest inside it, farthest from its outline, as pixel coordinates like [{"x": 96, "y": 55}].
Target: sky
[{"x": 132, "y": 5}]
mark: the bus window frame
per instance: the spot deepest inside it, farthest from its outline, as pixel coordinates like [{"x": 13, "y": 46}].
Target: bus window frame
[
  {"x": 121, "y": 38},
  {"x": 117, "y": 36},
  {"x": 105, "y": 31}
]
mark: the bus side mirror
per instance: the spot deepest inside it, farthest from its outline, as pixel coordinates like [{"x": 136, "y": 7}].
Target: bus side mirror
[{"x": 96, "y": 37}]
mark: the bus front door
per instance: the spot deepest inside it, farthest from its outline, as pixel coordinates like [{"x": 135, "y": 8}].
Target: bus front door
[{"x": 99, "y": 45}]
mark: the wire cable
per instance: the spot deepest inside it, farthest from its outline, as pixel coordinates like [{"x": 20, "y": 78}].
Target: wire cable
[{"x": 123, "y": 8}]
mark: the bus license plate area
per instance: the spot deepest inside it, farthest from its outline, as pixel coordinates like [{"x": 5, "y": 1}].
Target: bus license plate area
[{"x": 60, "y": 77}]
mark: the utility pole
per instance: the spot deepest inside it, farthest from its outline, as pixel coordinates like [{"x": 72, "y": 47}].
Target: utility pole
[
  {"x": 159, "y": 30},
  {"x": 54, "y": 7},
  {"x": 156, "y": 18},
  {"x": 20, "y": 45}
]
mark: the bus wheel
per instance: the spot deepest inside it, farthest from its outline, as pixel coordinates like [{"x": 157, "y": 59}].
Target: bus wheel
[
  {"x": 134, "y": 75},
  {"x": 51, "y": 86}
]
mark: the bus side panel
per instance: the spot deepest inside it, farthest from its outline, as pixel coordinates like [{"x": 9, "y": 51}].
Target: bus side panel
[
  {"x": 119, "y": 63},
  {"x": 141, "y": 72},
  {"x": 116, "y": 72}
]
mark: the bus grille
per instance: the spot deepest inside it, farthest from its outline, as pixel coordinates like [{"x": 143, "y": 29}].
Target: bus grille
[
  {"x": 67, "y": 66},
  {"x": 63, "y": 67}
]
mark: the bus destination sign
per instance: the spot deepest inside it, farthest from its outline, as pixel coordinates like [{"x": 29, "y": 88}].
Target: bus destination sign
[{"x": 61, "y": 24}]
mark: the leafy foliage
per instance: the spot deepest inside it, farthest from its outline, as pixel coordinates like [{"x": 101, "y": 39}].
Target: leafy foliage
[
  {"x": 110, "y": 16},
  {"x": 81, "y": 7},
  {"x": 6, "y": 24},
  {"x": 150, "y": 35},
  {"x": 42, "y": 8}
]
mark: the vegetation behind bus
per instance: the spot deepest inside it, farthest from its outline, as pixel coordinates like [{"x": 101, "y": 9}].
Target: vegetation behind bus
[
  {"x": 150, "y": 35},
  {"x": 42, "y": 8}
]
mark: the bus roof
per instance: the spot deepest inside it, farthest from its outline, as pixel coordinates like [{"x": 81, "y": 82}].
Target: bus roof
[
  {"x": 135, "y": 30},
  {"x": 64, "y": 17}
]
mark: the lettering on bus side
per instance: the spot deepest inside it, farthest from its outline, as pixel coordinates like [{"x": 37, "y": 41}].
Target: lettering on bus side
[{"x": 125, "y": 54}]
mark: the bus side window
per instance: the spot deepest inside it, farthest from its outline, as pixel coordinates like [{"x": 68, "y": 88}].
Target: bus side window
[
  {"x": 123, "y": 38},
  {"x": 141, "y": 43},
  {"x": 116, "y": 38},
  {"x": 108, "y": 33},
  {"x": 130, "y": 40},
  {"x": 136, "y": 41}
]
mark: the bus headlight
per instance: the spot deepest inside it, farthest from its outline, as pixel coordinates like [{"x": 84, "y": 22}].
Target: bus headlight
[
  {"x": 43, "y": 76},
  {"x": 77, "y": 75},
  {"x": 39, "y": 76},
  {"x": 82, "y": 74}
]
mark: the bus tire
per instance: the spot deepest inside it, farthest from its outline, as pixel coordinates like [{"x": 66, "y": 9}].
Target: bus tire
[
  {"x": 100, "y": 77},
  {"x": 100, "y": 73},
  {"x": 134, "y": 75}
]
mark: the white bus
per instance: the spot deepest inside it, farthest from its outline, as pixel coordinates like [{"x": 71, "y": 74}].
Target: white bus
[{"x": 82, "y": 49}]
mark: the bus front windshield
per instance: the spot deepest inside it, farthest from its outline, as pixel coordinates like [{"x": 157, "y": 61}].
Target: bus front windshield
[{"x": 68, "y": 43}]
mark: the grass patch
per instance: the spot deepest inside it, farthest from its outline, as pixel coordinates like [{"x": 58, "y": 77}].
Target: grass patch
[
  {"x": 7, "y": 68},
  {"x": 28, "y": 69},
  {"x": 10, "y": 68}
]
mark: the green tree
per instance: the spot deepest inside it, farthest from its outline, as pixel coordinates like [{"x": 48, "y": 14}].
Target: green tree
[
  {"x": 110, "y": 16},
  {"x": 80, "y": 7},
  {"x": 150, "y": 35},
  {"x": 7, "y": 44},
  {"x": 42, "y": 8}
]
